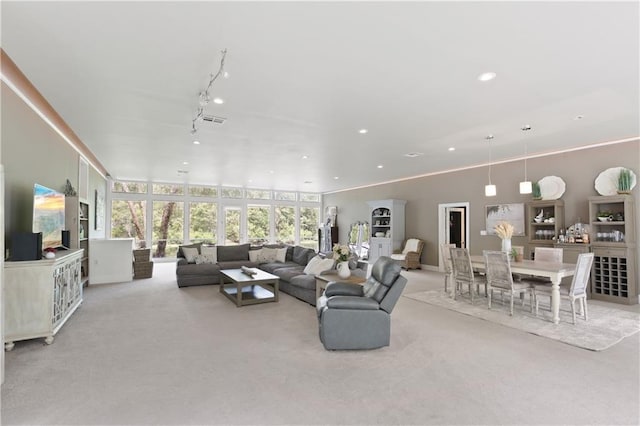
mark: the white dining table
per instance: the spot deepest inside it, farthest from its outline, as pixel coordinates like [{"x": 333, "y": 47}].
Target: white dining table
[{"x": 554, "y": 271}]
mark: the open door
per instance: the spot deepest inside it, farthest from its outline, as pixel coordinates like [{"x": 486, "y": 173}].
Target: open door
[{"x": 453, "y": 226}]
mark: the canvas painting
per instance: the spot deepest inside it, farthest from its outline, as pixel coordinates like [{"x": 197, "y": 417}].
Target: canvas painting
[{"x": 512, "y": 213}]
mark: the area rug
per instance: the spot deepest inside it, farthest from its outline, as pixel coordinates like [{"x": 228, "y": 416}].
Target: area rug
[{"x": 605, "y": 328}]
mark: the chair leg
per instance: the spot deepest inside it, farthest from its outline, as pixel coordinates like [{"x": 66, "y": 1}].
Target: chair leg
[
  {"x": 489, "y": 295},
  {"x": 446, "y": 281},
  {"x": 536, "y": 302},
  {"x": 573, "y": 310},
  {"x": 511, "y": 305},
  {"x": 584, "y": 300}
]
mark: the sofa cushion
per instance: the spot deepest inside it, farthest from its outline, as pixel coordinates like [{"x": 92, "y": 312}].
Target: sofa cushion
[
  {"x": 302, "y": 255},
  {"x": 206, "y": 269},
  {"x": 190, "y": 254},
  {"x": 181, "y": 254},
  {"x": 304, "y": 281},
  {"x": 236, "y": 264},
  {"x": 231, "y": 253},
  {"x": 287, "y": 274},
  {"x": 273, "y": 266}
]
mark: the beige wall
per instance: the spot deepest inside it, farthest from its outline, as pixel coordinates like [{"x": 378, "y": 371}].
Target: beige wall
[
  {"x": 32, "y": 152},
  {"x": 578, "y": 169}
]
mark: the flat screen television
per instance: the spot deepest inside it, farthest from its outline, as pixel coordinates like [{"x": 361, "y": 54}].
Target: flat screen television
[{"x": 48, "y": 215}]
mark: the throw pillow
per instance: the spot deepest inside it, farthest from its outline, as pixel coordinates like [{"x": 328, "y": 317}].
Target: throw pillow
[
  {"x": 211, "y": 251},
  {"x": 269, "y": 255},
  {"x": 190, "y": 254},
  {"x": 311, "y": 265},
  {"x": 318, "y": 265},
  {"x": 255, "y": 255},
  {"x": 181, "y": 253},
  {"x": 281, "y": 254},
  {"x": 411, "y": 245},
  {"x": 204, "y": 258}
]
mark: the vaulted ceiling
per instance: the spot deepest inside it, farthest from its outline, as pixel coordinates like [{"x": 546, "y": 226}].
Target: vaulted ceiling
[{"x": 305, "y": 77}]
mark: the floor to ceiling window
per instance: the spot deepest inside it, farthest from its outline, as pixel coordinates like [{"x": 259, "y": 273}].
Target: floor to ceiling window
[{"x": 162, "y": 216}]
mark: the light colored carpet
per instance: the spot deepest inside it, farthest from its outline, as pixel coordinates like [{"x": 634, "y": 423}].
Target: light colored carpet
[
  {"x": 605, "y": 327},
  {"x": 147, "y": 352}
]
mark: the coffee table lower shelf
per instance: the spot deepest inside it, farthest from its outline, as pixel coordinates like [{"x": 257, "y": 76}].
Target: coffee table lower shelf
[{"x": 245, "y": 290}]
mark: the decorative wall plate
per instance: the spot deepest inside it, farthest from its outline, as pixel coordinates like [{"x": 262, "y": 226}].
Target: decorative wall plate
[
  {"x": 551, "y": 187},
  {"x": 607, "y": 181}
]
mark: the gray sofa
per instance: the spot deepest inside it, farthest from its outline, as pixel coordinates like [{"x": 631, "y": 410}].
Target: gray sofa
[{"x": 293, "y": 280}]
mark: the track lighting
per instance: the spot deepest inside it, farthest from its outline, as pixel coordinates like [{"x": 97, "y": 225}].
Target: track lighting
[{"x": 204, "y": 98}]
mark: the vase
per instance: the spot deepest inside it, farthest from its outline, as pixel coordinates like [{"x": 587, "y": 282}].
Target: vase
[
  {"x": 343, "y": 270},
  {"x": 506, "y": 245}
]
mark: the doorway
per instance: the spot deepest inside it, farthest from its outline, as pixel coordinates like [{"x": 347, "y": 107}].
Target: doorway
[{"x": 453, "y": 226}]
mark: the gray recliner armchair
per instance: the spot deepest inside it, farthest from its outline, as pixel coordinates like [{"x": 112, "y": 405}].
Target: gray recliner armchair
[{"x": 353, "y": 316}]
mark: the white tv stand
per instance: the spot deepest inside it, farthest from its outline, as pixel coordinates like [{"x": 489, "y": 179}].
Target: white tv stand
[{"x": 40, "y": 296}]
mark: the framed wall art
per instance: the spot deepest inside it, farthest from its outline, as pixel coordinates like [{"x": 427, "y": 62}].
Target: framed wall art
[{"x": 512, "y": 213}]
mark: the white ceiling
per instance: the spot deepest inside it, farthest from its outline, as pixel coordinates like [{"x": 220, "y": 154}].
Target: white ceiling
[{"x": 305, "y": 77}]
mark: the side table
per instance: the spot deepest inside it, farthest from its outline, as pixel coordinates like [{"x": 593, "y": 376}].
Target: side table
[{"x": 324, "y": 279}]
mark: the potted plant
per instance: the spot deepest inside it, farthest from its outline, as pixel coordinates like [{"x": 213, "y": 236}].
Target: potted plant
[
  {"x": 535, "y": 191},
  {"x": 605, "y": 216},
  {"x": 624, "y": 181}
]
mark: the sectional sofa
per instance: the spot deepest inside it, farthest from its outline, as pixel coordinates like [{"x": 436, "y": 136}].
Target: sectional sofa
[{"x": 202, "y": 266}]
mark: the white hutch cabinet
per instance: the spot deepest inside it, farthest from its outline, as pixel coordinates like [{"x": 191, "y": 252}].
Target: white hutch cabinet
[
  {"x": 40, "y": 296},
  {"x": 387, "y": 227}
]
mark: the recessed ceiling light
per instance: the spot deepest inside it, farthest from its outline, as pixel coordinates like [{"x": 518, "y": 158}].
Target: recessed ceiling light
[
  {"x": 487, "y": 76},
  {"x": 271, "y": 171},
  {"x": 304, "y": 157},
  {"x": 218, "y": 101},
  {"x": 225, "y": 74},
  {"x": 363, "y": 131},
  {"x": 196, "y": 142},
  {"x": 250, "y": 180},
  {"x": 380, "y": 166},
  {"x": 413, "y": 154},
  {"x": 452, "y": 148},
  {"x": 578, "y": 117},
  {"x": 185, "y": 163},
  {"x": 336, "y": 177}
]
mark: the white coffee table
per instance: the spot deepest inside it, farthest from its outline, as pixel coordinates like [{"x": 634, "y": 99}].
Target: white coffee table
[{"x": 243, "y": 289}]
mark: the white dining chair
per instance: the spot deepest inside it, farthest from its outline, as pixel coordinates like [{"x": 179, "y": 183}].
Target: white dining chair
[
  {"x": 578, "y": 289},
  {"x": 446, "y": 260},
  {"x": 544, "y": 254},
  {"x": 463, "y": 273},
  {"x": 498, "y": 275}
]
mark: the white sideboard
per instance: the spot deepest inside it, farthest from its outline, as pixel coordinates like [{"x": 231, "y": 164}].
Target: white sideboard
[
  {"x": 40, "y": 296},
  {"x": 387, "y": 227}
]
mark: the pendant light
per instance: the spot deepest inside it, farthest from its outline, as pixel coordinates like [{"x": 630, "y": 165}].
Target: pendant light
[
  {"x": 490, "y": 190},
  {"x": 525, "y": 185}
]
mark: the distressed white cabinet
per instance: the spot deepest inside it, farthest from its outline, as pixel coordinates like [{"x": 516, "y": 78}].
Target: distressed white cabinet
[
  {"x": 40, "y": 296},
  {"x": 387, "y": 227}
]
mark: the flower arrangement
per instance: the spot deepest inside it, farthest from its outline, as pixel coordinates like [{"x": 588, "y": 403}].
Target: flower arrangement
[
  {"x": 504, "y": 230},
  {"x": 341, "y": 253}
]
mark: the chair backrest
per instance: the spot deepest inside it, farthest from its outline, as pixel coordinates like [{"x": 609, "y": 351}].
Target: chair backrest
[
  {"x": 461, "y": 263},
  {"x": 581, "y": 276},
  {"x": 446, "y": 257},
  {"x": 548, "y": 254},
  {"x": 498, "y": 269},
  {"x": 413, "y": 244},
  {"x": 384, "y": 274}
]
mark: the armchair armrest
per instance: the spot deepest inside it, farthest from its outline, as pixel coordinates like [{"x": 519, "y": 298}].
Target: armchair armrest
[
  {"x": 336, "y": 288},
  {"x": 352, "y": 302}
]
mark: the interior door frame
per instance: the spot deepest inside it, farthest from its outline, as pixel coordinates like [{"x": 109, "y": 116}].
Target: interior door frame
[{"x": 443, "y": 226}]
